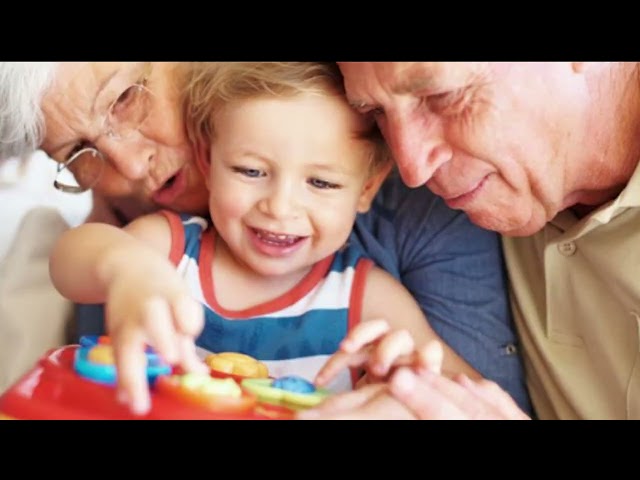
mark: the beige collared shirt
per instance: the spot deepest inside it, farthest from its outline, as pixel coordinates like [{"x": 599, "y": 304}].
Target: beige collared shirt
[{"x": 575, "y": 292}]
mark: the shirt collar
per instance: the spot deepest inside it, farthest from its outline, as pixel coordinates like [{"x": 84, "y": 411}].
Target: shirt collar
[{"x": 628, "y": 198}]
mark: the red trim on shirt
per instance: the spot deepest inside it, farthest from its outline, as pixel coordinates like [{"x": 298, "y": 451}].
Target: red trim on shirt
[
  {"x": 205, "y": 265},
  {"x": 363, "y": 267},
  {"x": 308, "y": 283},
  {"x": 177, "y": 236}
]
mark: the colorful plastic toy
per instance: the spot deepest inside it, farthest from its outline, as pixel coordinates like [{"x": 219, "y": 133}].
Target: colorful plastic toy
[
  {"x": 59, "y": 387},
  {"x": 94, "y": 361},
  {"x": 292, "y": 392},
  {"x": 238, "y": 365},
  {"x": 214, "y": 394}
]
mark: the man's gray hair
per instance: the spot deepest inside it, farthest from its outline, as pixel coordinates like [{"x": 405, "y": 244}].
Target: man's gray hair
[{"x": 22, "y": 86}]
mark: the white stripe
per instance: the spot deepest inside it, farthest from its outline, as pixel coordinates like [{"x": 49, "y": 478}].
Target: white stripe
[
  {"x": 188, "y": 269},
  {"x": 334, "y": 293},
  {"x": 197, "y": 221}
]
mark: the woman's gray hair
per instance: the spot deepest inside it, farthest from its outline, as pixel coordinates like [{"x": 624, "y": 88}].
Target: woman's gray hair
[{"x": 22, "y": 86}]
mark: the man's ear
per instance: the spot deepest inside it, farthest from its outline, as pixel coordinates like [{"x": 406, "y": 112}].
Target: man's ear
[
  {"x": 371, "y": 187},
  {"x": 203, "y": 159}
]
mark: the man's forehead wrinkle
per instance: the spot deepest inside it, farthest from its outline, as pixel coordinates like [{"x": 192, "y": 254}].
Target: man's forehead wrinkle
[
  {"x": 415, "y": 76},
  {"x": 434, "y": 76}
]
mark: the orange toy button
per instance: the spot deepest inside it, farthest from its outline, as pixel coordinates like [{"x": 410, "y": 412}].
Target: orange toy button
[{"x": 237, "y": 364}]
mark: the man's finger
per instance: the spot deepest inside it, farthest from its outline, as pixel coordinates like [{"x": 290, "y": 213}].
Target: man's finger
[
  {"x": 491, "y": 393},
  {"x": 425, "y": 398},
  {"x": 342, "y": 403}
]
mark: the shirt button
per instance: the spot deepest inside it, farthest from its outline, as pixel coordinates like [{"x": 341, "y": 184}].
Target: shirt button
[
  {"x": 567, "y": 248},
  {"x": 510, "y": 349}
]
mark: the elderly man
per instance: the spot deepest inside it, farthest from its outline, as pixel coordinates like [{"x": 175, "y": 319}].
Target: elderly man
[{"x": 546, "y": 154}]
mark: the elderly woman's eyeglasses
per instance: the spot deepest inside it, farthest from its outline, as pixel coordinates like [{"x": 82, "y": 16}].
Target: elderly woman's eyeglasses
[{"x": 82, "y": 170}]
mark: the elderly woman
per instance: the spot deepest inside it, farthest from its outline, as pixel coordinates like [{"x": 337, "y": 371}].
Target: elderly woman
[
  {"x": 116, "y": 126},
  {"x": 118, "y": 129}
]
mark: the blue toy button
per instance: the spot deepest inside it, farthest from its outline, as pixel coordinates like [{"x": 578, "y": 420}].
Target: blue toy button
[{"x": 294, "y": 384}]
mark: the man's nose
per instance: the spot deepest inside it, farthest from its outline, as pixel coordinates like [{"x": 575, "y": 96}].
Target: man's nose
[{"x": 418, "y": 145}]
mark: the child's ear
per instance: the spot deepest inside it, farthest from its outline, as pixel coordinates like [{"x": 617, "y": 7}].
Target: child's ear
[
  {"x": 371, "y": 187},
  {"x": 203, "y": 159}
]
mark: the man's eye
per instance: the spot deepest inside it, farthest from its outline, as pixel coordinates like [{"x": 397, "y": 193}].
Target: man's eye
[
  {"x": 322, "y": 184},
  {"x": 249, "y": 172},
  {"x": 448, "y": 103},
  {"x": 440, "y": 101}
]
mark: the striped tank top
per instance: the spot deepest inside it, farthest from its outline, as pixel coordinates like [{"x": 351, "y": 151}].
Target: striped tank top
[{"x": 293, "y": 334}]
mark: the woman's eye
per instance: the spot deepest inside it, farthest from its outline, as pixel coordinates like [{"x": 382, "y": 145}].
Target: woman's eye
[
  {"x": 76, "y": 148},
  {"x": 322, "y": 184},
  {"x": 128, "y": 102},
  {"x": 249, "y": 172}
]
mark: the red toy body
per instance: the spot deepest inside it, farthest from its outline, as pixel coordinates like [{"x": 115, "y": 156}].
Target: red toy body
[{"x": 53, "y": 390}]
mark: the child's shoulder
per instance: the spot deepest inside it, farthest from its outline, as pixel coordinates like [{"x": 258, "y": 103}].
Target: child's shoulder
[
  {"x": 185, "y": 218},
  {"x": 349, "y": 255},
  {"x": 183, "y": 221}
]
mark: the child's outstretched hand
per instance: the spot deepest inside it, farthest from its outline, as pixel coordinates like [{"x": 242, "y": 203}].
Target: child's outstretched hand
[
  {"x": 379, "y": 350},
  {"x": 149, "y": 303}
]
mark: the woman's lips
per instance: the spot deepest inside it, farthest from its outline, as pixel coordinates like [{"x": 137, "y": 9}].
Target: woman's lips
[
  {"x": 172, "y": 189},
  {"x": 460, "y": 201}
]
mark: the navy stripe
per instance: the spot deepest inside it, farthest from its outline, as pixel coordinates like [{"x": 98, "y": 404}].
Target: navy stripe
[
  {"x": 345, "y": 258},
  {"x": 317, "y": 332},
  {"x": 192, "y": 236}
]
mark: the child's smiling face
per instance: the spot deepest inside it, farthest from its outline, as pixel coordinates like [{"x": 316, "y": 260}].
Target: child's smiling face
[{"x": 288, "y": 176}]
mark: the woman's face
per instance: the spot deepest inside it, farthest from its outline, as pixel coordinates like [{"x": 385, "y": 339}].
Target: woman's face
[{"x": 150, "y": 167}]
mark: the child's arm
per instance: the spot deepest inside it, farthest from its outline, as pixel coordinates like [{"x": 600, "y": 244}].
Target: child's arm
[
  {"x": 392, "y": 331},
  {"x": 146, "y": 300}
]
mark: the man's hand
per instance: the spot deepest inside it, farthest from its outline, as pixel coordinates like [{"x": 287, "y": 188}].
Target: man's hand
[
  {"x": 432, "y": 396},
  {"x": 420, "y": 391},
  {"x": 372, "y": 402}
]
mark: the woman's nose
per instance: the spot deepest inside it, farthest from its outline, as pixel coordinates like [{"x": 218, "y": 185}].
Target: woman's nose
[{"x": 130, "y": 157}]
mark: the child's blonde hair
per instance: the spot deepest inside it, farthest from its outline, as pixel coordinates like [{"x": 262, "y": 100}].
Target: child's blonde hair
[{"x": 212, "y": 85}]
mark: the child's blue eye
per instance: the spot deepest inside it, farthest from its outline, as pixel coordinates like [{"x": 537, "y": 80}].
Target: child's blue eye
[
  {"x": 249, "y": 172},
  {"x": 322, "y": 184}
]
